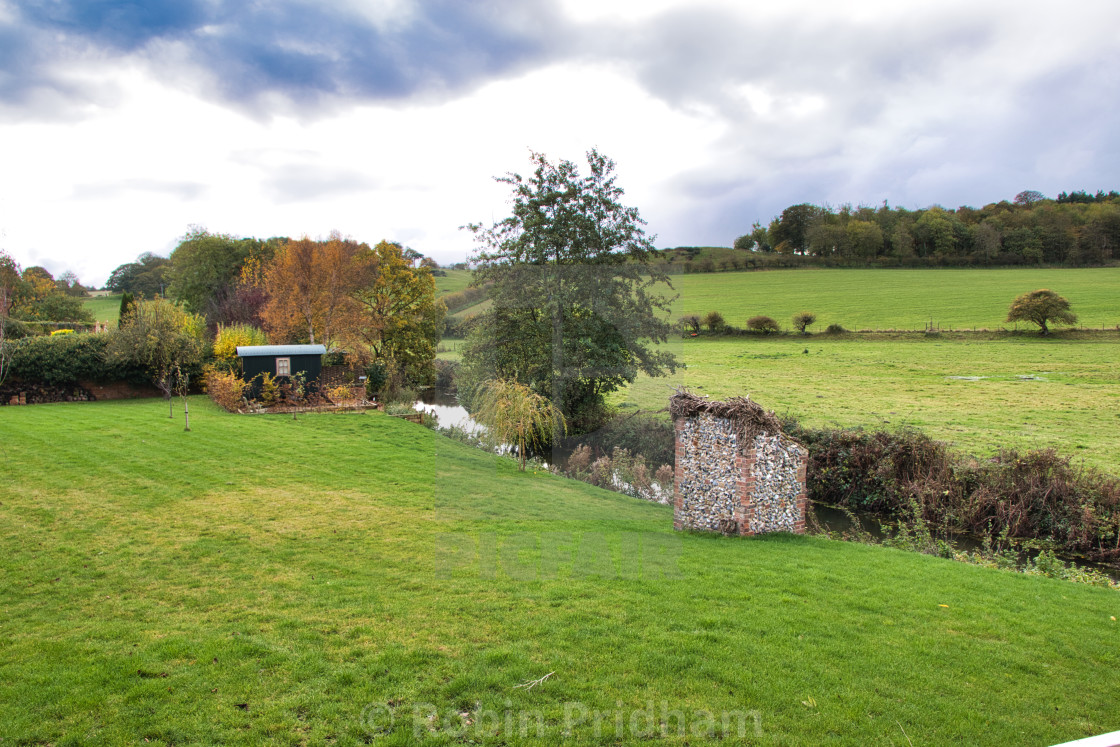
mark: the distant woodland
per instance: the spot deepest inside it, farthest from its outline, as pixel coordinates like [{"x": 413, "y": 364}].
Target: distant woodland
[{"x": 1074, "y": 229}]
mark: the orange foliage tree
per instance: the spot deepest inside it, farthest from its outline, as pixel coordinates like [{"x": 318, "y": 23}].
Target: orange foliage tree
[{"x": 311, "y": 287}]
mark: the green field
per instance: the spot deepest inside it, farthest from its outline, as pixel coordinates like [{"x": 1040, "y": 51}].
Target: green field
[
  {"x": 454, "y": 280},
  {"x": 979, "y": 395},
  {"x": 337, "y": 578},
  {"x": 104, "y": 308},
  {"x": 896, "y": 299},
  {"x": 885, "y": 299}
]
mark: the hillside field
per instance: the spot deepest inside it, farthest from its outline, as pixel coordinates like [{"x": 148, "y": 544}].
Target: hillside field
[
  {"x": 978, "y": 394},
  {"x": 352, "y": 578},
  {"x": 885, "y": 299},
  {"x": 896, "y": 299},
  {"x": 104, "y": 308}
]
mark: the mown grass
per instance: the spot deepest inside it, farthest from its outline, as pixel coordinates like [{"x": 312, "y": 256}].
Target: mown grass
[
  {"x": 896, "y": 298},
  {"x": 980, "y": 395},
  {"x": 263, "y": 580}
]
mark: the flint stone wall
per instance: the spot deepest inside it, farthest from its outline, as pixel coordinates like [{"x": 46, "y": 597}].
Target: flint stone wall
[{"x": 722, "y": 485}]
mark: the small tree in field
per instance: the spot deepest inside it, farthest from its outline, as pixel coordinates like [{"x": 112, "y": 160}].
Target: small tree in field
[
  {"x": 803, "y": 319},
  {"x": 515, "y": 414},
  {"x": 1041, "y": 307},
  {"x": 163, "y": 338}
]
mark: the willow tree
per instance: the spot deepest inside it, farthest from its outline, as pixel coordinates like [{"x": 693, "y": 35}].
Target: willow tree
[
  {"x": 577, "y": 309},
  {"x": 514, "y": 414}
]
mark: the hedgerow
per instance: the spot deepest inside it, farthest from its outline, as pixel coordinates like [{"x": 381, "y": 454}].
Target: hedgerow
[{"x": 68, "y": 359}]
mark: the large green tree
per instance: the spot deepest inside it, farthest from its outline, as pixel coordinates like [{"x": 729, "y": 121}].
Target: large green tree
[
  {"x": 400, "y": 318},
  {"x": 146, "y": 277},
  {"x": 578, "y": 310}
]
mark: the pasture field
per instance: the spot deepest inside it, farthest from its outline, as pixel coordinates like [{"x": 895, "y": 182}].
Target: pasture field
[
  {"x": 978, "y": 394},
  {"x": 104, "y": 308},
  {"x": 896, "y": 298},
  {"x": 454, "y": 280},
  {"x": 338, "y": 579}
]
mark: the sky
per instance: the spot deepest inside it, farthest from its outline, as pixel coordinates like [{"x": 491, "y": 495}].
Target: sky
[{"x": 124, "y": 123}]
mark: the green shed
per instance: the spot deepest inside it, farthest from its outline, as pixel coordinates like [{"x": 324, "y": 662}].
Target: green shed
[{"x": 281, "y": 361}]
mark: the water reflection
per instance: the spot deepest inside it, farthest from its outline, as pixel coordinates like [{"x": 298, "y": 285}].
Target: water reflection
[{"x": 448, "y": 411}]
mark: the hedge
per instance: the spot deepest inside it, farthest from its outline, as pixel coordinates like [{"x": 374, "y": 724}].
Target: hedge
[{"x": 67, "y": 359}]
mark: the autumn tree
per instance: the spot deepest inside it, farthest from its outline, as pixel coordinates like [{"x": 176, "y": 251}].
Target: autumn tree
[
  {"x": 400, "y": 318},
  {"x": 41, "y": 299},
  {"x": 1041, "y": 307},
  {"x": 311, "y": 287},
  {"x": 163, "y": 338}
]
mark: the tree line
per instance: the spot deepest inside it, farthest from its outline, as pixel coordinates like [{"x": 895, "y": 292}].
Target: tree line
[
  {"x": 374, "y": 305},
  {"x": 1075, "y": 229}
]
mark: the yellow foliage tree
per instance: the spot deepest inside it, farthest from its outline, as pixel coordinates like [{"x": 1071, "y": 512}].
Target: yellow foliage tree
[{"x": 311, "y": 286}]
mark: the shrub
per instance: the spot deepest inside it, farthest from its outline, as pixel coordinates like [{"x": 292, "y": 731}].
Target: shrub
[
  {"x": 803, "y": 319},
  {"x": 835, "y": 329},
  {"x": 639, "y": 433},
  {"x": 690, "y": 323},
  {"x": 225, "y": 388},
  {"x": 764, "y": 324},
  {"x": 270, "y": 390},
  {"x": 62, "y": 332},
  {"x": 376, "y": 376},
  {"x": 340, "y": 394},
  {"x": 230, "y": 338},
  {"x": 1034, "y": 495},
  {"x": 714, "y": 321}
]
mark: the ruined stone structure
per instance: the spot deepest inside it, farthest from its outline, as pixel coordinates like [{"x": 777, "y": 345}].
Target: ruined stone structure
[{"x": 736, "y": 471}]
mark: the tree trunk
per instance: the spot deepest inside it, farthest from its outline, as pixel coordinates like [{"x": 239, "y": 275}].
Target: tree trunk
[{"x": 187, "y": 413}]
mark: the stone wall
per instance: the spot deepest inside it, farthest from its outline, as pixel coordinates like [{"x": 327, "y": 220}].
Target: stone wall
[{"x": 725, "y": 482}]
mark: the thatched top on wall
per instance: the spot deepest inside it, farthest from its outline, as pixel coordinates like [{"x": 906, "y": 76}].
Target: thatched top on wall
[{"x": 749, "y": 418}]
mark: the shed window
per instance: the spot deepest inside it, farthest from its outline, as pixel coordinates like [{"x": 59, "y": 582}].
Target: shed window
[{"x": 283, "y": 366}]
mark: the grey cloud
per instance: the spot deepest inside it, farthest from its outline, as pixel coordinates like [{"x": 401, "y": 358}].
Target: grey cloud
[{"x": 288, "y": 52}]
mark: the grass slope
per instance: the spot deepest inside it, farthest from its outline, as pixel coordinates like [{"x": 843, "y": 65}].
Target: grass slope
[
  {"x": 452, "y": 281},
  {"x": 104, "y": 308},
  {"x": 896, "y": 299},
  {"x": 1022, "y": 391},
  {"x": 263, "y": 580}
]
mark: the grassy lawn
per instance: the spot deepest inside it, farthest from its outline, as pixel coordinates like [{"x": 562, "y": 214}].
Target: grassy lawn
[
  {"x": 263, "y": 580},
  {"x": 896, "y": 299},
  {"x": 104, "y": 308},
  {"x": 978, "y": 394}
]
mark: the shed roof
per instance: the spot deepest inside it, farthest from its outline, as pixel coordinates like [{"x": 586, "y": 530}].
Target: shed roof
[{"x": 245, "y": 351}]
